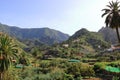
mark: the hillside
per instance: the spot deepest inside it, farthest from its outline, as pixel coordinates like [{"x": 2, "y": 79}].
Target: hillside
[
  {"x": 44, "y": 35},
  {"x": 81, "y": 43},
  {"x": 88, "y": 40},
  {"x": 108, "y": 34}
]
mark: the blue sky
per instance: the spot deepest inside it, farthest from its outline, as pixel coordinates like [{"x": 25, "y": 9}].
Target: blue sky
[{"x": 67, "y": 16}]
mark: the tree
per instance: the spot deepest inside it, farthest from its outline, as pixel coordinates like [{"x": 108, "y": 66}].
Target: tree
[
  {"x": 86, "y": 70},
  {"x": 8, "y": 50},
  {"x": 74, "y": 69},
  {"x": 113, "y": 16}
]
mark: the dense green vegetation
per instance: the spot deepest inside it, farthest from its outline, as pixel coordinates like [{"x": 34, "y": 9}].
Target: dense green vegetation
[
  {"x": 26, "y": 55},
  {"x": 74, "y": 59},
  {"x": 8, "y": 51},
  {"x": 53, "y": 62}
]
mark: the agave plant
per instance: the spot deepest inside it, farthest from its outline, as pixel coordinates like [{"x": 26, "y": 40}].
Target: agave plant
[{"x": 8, "y": 50}]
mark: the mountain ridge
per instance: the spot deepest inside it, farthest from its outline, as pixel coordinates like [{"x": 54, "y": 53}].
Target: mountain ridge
[
  {"x": 44, "y": 35},
  {"x": 109, "y": 34},
  {"x": 94, "y": 39}
]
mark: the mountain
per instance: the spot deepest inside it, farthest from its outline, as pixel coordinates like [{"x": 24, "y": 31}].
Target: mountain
[
  {"x": 109, "y": 34},
  {"x": 88, "y": 40},
  {"x": 79, "y": 44},
  {"x": 44, "y": 35}
]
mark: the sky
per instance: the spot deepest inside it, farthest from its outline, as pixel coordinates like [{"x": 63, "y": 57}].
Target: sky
[{"x": 67, "y": 16}]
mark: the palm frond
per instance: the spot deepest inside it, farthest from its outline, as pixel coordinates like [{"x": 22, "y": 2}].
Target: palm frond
[
  {"x": 109, "y": 6},
  {"x": 106, "y": 10},
  {"x": 8, "y": 49},
  {"x": 104, "y": 14},
  {"x": 118, "y": 6},
  {"x": 110, "y": 3},
  {"x": 107, "y": 20}
]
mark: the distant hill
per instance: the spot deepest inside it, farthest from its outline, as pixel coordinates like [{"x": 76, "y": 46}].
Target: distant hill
[
  {"x": 88, "y": 40},
  {"x": 109, "y": 35},
  {"x": 79, "y": 44},
  {"x": 43, "y": 35},
  {"x": 84, "y": 41}
]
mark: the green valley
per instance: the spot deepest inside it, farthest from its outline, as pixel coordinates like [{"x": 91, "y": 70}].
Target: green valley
[
  {"x": 78, "y": 58},
  {"x": 49, "y": 54}
]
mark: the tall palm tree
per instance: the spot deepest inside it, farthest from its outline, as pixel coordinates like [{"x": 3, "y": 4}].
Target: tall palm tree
[
  {"x": 112, "y": 13},
  {"x": 7, "y": 50}
]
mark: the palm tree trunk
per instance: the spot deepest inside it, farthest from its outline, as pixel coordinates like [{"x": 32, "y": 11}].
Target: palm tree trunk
[
  {"x": 1, "y": 76},
  {"x": 118, "y": 36}
]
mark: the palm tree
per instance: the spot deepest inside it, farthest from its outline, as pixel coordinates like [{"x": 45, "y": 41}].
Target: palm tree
[
  {"x": 112, "y": 13},
  {"x": 7, "y": 51}
]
